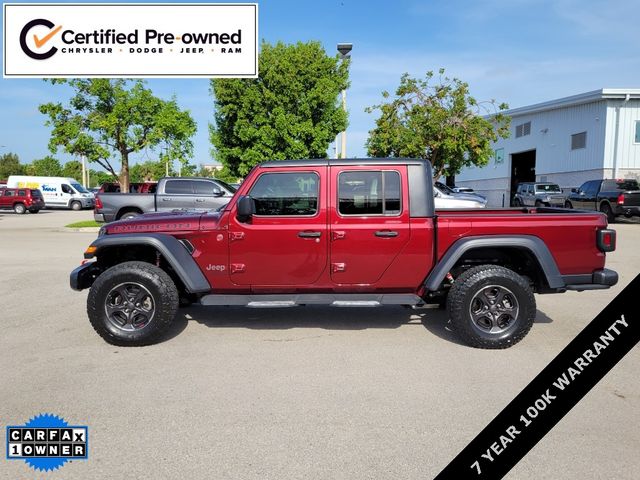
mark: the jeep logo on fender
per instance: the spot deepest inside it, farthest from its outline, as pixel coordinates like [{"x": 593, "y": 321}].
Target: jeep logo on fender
[{"x": 39, "y": 41}]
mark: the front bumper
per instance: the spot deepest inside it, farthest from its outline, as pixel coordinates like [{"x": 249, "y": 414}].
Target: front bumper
[
  {"x": 83, "y": 276},
  {"x": 598, "y": 280}
]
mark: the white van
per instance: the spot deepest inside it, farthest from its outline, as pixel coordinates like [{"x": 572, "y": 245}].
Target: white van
[{"x": 57, "y": 191}]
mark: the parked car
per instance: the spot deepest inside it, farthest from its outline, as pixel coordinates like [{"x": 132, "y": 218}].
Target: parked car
[
  {"x": 61, "y": 192},
  {"x": 447, "y": 190},
  {"x": 350, "y": 233},
  {"x": 171, "y": 193},
  {"x": 539, "y": 194},
  {"x": 611, "y": 197},
  {"x": 444, "y": 200},
  {"x": 21, "y": 200}
]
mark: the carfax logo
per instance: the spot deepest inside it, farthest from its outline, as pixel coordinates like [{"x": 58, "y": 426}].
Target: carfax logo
[{"x": 47, "y": 442}]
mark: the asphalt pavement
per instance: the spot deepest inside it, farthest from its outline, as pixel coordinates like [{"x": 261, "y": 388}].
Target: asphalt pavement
[{"x": 312, "y": 392}]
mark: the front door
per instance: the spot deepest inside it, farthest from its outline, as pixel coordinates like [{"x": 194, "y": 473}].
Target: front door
[
  {"x": 285, "y": 242},
  {"x": 178, "y": 195},
  {"x": 369, "y": 222}
]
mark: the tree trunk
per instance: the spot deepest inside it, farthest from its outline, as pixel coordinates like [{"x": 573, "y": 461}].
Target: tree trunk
[{"x": 124, "y": 173}]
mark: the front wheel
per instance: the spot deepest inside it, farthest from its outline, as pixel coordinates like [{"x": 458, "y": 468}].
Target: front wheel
[
  {"x": 132, "y": 304},
  {"x": 491, "y": 307},
  {"x": 568, "y": 204},
  {"x": 76, "y": 206}
]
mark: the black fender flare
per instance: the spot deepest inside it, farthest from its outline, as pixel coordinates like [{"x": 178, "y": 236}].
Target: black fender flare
[
  {"x": 526, "y": 242},
  {"x": 169, "y": 247}
]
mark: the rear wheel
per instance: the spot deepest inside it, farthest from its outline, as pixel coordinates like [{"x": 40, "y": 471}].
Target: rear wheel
[
  {"x": 76, "y": 206},
  {"x": 132, "y": 304},
  {"x": 606, "y": 209},
  {"x": 491, "y": 307},
  {"x": 539, "y": 204},
  {"x": 568, "y": 204},
  {"x": 19, "y": 208},
  {"x": 35, "y": 210},
  {"x": 128, "y": 215}
]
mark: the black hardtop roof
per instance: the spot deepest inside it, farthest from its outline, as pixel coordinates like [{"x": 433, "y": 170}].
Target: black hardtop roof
[{"x": 319, "y": 162}]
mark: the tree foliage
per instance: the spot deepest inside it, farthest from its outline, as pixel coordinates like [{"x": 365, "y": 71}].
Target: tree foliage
[
  {"x": 107, "y": 117},
  {"x": 290, "y": 111},
  {"x": 150, "y": 171},
  {"x": 46, "y": 167},
  {"x": 10, "y": 165},
  {"x": 438, "y": 121},
  {"x": 73, "y": 169}
]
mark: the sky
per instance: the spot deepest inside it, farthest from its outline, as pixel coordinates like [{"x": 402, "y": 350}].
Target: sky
[{"x": 515, "y": 51}]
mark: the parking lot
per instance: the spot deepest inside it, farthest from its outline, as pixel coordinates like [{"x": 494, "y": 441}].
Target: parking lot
[{"x": 313, "y": 392}]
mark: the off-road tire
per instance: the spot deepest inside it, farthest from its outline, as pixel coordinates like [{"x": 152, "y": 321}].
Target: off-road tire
[
  {"x": 469, "y": 285},
  {"x": 76, "y": 206},
  {"x": 160, "y": 287},
  {"x": 606, "y": 209},
  {"x": 19, "y": 208}
]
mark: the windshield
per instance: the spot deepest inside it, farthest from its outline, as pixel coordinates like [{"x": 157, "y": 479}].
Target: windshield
[
  {"x": 79, "y": 188},
  {"x": 548, "y": 188}
]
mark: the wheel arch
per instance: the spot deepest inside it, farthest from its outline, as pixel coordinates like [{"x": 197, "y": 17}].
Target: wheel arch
[
  {"x": 127, "y": 209},
  {"x": 528, "y": 248},
  {"x": 108, "y": 250}
]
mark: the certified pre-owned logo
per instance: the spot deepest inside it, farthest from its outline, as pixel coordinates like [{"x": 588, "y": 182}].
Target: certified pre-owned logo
[{"x": 39, "y": 41}]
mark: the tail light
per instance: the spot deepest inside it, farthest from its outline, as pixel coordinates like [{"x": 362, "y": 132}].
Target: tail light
[
  {"x": 98, "y": 202},
  {"x": 606, "y": 240},
  {"x": 621, "y": 199}
]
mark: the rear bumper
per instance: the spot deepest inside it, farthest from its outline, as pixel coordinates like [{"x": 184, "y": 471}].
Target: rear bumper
[
  {"x": 83, "y": 276},
  {"x": 103, "y": 217},
  {"x": 629, "y": 211},
  {"x": 598, "y": 280}
]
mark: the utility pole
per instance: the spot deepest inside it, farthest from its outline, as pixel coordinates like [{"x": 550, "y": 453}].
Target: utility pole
[
  {"x": 344, "y": 49},
  {"x": 84, "y": 171}
]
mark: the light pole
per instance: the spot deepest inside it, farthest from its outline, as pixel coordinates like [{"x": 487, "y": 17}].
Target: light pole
[{"x": 344, "y": 49}]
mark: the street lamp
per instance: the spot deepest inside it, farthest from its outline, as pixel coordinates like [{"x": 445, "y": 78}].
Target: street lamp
[{"x": 344, "y": 49}]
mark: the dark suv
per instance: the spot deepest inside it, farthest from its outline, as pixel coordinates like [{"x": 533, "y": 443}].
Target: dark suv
[
  {"x": 538, "y": 194},
  {"x": 21, "y": 199}
]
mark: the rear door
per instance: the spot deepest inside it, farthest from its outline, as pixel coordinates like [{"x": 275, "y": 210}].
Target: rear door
[
  {"x": 369, "y": 221},
  {"x": 6, "y": 200},
  {"x": 178, "y": 195}
]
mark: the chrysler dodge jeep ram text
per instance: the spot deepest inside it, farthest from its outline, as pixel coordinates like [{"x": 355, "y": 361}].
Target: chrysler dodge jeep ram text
[{"x": 342, "y": 233}]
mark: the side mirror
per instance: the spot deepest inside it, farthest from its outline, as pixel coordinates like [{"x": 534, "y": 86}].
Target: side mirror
[
  {"x": 217, "y": 192},
  {"x": 246, "y": 208}
]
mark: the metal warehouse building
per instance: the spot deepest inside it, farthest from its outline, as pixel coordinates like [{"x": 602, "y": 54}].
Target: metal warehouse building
[{"x": 568, "y": 141}]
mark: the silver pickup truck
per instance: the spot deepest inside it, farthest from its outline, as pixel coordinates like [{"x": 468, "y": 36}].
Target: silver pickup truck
[{"x": 173, "y": 193}]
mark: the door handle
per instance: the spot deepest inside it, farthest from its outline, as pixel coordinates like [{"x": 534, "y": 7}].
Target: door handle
[
  {"x": 308, "y": 234},
  {"x": 386, "y": 233},
  {"x": 200, "y": 200},
  {"x": 165, "y": 199}
]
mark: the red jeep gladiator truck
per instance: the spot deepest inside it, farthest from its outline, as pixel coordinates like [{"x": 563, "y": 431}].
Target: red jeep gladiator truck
[{"x": 352, "y": 233}]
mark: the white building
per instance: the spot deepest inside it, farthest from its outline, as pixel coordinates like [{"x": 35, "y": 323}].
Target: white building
[{"x": 567, "y": 141}]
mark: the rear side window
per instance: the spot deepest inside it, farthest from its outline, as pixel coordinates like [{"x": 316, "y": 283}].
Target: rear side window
[
  {"x": 8, "y": 193},
  {"x": 548, "y": 188},
  {"x": 286, "y": 194},
  {"x": 369, "y": 193},
  {"x": 179, "y": 187},
  {"x": 627, "y": 185},
  {"x": 36, "y": 194}
]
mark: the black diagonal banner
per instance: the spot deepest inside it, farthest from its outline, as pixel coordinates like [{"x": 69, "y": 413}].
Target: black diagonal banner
[{"x": 555, "y": 391}]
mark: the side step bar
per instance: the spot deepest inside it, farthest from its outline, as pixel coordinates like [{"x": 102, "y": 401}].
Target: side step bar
[{"x": 333, "y": 299}]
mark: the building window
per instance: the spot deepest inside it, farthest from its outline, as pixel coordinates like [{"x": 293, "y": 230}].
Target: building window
[
  {"x": 579, "y": 140},
  {"x": 523, "y": 129},
  {"x": 637, "y": 140}
]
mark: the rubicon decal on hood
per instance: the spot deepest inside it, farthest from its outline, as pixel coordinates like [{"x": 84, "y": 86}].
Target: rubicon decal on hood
[{"x": 130, "y": 40}]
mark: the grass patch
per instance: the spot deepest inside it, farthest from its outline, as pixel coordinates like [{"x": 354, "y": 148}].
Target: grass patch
[{"x": 84, "y": 224}]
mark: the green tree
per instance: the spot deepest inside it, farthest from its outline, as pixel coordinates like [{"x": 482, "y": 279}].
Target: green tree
[
  {"x": 73, "y": 169},
  {"x": 107, "y": 117},
  {"x": 97, "y": 177},
  {"x": 10, "y": 165},
  {"x": 150, "y": 171},
  {"x": 441, "y": 122},
  {"x": 46, "y": 167},
  {"x": 290, "y": 111}
]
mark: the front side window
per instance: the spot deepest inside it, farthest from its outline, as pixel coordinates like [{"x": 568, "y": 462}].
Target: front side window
[
  {"x": 204, "y": 188},
  {"x": 369, "y": 193},
  {"x": 67, "y": 189},
  {"x": 286, "y": 194}
]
